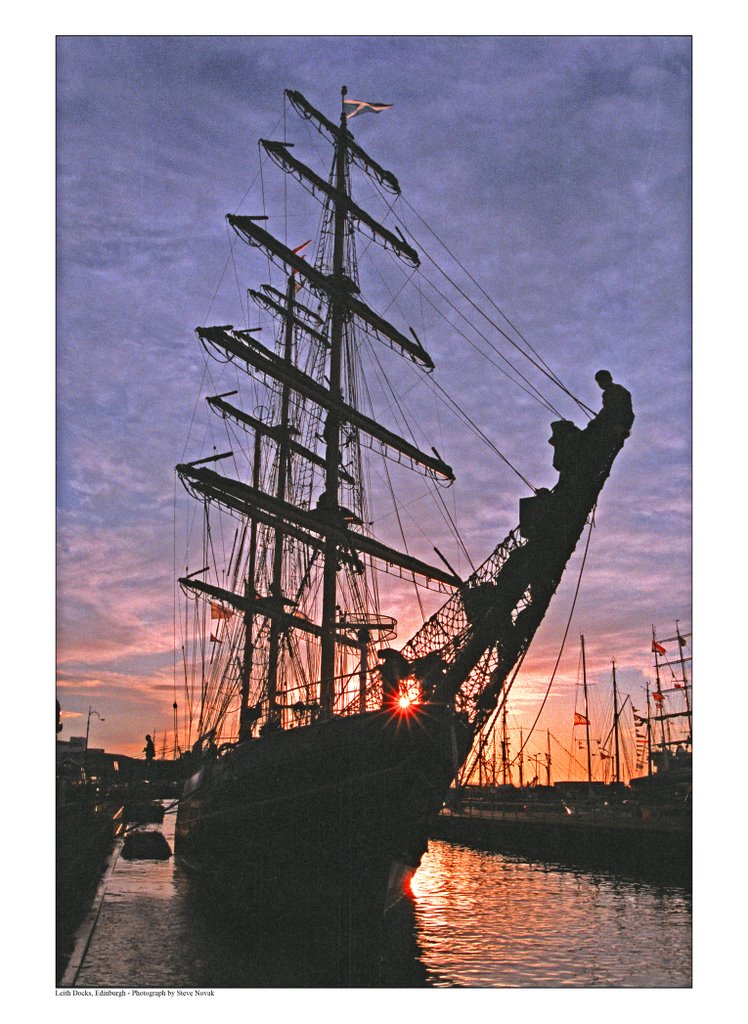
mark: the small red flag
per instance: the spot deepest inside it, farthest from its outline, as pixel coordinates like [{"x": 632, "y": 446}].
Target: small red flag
[
  {"x": 658, "y": 648},
  {"x": 580, "y": 719},
  {"x": 217, "y": 611},
  {"x": 659, "y": 697},
  {"x": 298, "y": 250}
]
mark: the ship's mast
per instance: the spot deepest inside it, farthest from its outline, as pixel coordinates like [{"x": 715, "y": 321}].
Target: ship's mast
[
  {"x": 327, "y": 532},
  {"x": 505, "y": 769},
  {"x": 586, "y": 712},
  {"x": 659, "y": 699},
  {"x": 649, "y": 734},
  {"x": 276, "y": 586},
  {"x": 250, "y": 592},
  {"x": 617, "y": 777},
  {"x": 484, "y": 629},
  {"x": 332, "y": 426},
  {"x": 681, "y": 642}
]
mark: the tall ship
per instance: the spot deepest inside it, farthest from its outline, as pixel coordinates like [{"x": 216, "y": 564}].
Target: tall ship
[
  {"x": 664, "y": 728},
  {"x": 322, "y": 748}
]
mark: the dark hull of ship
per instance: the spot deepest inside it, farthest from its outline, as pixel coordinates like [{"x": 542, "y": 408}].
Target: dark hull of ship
[{"x": 320, "y": 827}]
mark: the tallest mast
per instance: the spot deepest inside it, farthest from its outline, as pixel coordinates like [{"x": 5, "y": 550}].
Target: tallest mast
[{"x": 332, "y": 427}]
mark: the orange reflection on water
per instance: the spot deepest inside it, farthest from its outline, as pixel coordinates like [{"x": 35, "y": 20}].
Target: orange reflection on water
[{"x": 488, "y": 920}]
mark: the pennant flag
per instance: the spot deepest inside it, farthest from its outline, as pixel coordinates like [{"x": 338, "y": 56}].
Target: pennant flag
[
  {"x": 217, "y": 611},
  {"x": 580, "y": 719},
  {"x": 682, "y": 641},
  {"x": 362, "y": 107},
  {"x": 659, "y": 697},
  {"x": 297, "y": 250},
  {"x": 214, "y": 639},
  {"x": 658, "y": 648},
  {"x": 677, "y": 686}
]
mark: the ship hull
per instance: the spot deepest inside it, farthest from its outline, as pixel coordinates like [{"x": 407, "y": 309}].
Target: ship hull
[{"x": 322, "y": 826}]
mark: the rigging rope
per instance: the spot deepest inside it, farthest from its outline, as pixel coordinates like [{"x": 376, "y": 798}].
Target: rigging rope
[
  {"x": 541, "y": 366},
  {"x": 396, "y": 406},
  {"x": 566, "y": 632},
  {"x": 536, "y": 396},
  {"x": 530, "y": 390},
  {"x": 572, "y": 757},
  {"x": 461, "y": 412}
]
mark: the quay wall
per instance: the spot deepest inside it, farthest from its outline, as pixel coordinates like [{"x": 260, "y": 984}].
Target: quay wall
[{"x": 656, "y": 850}]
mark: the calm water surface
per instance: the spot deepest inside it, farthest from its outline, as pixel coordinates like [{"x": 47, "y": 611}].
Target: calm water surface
[
  {"x": 479, "y": 920},
  {"x": 485, "y": 919}
]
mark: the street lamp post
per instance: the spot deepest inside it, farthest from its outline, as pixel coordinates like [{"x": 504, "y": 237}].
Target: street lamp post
[{"x": 91, "y": 711}]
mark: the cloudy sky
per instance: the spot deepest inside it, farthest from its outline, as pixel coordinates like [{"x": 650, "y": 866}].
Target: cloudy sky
[{"x": 557, "y": 169}]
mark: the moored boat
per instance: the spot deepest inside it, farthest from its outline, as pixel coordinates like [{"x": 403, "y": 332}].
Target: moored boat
[{"x": 322, "y": 754}]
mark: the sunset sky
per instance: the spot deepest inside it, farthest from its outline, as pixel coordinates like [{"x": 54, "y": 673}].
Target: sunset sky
[{"x": 557, "y": 169}]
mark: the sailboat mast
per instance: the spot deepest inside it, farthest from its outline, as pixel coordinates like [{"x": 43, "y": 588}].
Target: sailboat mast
[
  {"x": 586, "y": 712},
  {"x": 649, "y": 734},
  {"x": 659, "y": 698},
  {"x": 250, "y": 593},
  {"x": 332, "y": 426},
  {"x": 276, "y": 587},
  {"x": 681, "y": 642},
  {"x": 615, "y": 725}
]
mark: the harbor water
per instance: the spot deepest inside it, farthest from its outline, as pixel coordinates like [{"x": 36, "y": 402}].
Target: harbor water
[
  {"x": 478, "y": 920},
  {"x": 486, "y": 919}
]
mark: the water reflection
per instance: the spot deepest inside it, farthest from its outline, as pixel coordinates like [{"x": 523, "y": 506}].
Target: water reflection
[
  {"x": 484, "y": 919},
  {"x": 477, "y": 920}
]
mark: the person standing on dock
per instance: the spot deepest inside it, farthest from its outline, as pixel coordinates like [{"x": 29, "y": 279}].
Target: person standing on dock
[{"x": 149, "y": 750}]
